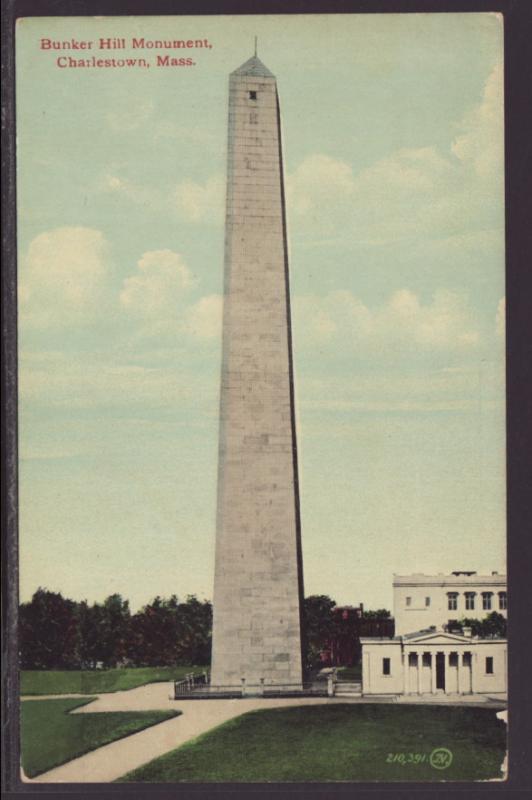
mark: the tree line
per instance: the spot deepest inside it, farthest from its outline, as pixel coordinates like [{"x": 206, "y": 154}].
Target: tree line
[{"x": 58, "y": 633}]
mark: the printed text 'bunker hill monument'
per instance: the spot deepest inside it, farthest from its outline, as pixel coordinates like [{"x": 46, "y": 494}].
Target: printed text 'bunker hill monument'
[{"x": 258, "y": 582}]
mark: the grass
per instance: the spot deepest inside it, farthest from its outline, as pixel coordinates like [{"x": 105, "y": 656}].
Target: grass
[
  {"x": 36, "y": 682},
  {"x": 50, "y": 736},
  {"x": 350, "y": 673},
  {"x": 338, "y": 743}
]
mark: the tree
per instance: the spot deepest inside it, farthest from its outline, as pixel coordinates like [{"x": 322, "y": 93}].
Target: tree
[
  {"x": 318, "y": 627},
  {"x": 380, "y": 613},
  {"x": 90, "y": 620},
  {"x": 166, "y": 632},
  {"x": 492, "y": 626},
  {"x": 48, "y": 632},
  {"x": 114, "y": 619}
]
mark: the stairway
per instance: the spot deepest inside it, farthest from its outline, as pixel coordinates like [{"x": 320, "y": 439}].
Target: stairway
[{"x": 348, "y": 689}]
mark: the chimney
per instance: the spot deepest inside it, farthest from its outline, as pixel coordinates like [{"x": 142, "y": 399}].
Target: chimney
[{"x": 466, "y": 631}]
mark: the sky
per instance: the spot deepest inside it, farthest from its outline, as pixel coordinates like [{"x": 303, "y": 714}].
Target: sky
[{"x": 393, "y": 155}]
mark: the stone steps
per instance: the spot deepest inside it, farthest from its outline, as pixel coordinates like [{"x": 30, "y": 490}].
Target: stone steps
[{"x": 348, "y": 689}]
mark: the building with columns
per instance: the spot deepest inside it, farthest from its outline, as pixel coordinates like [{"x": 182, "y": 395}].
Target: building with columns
[
  {"x": 420, "y": 601},
  {"x": 434, "y": 662}
]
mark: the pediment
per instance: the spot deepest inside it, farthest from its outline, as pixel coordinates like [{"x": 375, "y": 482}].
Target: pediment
[{"x": 437, "y": 637}]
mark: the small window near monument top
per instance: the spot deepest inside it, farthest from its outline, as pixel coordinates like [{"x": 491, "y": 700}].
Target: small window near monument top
[
  {"x": 489, "y": 665},
  {"x": 253, "y": 95},
  {"x": 409, "y": 601},
  {"x": 427, "y": 601},
  {"x": 385, "y": 666}
]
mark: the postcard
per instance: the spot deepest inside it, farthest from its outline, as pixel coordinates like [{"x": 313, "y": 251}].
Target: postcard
[{"x": 261, "y": 310}]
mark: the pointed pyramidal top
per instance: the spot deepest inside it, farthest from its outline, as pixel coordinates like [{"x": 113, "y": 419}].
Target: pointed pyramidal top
[{"x": 255, "y": 68}]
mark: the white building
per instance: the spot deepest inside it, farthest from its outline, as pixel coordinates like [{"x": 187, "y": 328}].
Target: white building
[
  {"x": 420, "y": 601},
  {"x": 433, "y": 662}
]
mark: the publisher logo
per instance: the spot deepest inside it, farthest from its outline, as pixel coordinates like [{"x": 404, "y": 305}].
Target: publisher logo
[{"x": 441, "y": 758}]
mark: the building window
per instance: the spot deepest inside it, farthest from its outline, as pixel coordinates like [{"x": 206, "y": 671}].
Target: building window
[
  {"x": 503, "y": 601},
  {"x": 253, "y": 95},
  {"x": 452, "y": 601},
  {"x": 489, "y": 665},
  {"x": 412, "y": 659},
  {"x": 470, "y": 601},
  {"x": 466, "y": 659},
  {"x": 427, "y": 601},
  {"x": 426, "y": 659},
  {"x": 253, "y": 118},
  {"x": 486, "y": 601},
  {"x": 409, "y": 601},
  {"x": 386, "y": 666},
  {"x": 453, "y": 659}
]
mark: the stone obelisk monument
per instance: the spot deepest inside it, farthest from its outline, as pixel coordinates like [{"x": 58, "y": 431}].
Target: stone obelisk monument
[{"x": 258, "y": 583}]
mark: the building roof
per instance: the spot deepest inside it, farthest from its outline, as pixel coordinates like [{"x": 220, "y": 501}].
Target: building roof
[
  {"x": 254, "y": 68},
  {"x": 462, "y": 579},
  {"x": 422, "y": 632}
]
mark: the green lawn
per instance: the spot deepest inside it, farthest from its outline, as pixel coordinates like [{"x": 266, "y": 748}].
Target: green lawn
[
  {"x": 35, "y": 682},
  {"x": 338, "y": 743},
  {"x": 350, "y": 673},
  {"x": 50, "y": 736}
]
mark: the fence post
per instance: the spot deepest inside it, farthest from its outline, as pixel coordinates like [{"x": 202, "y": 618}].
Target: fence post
[
  {"x": 243, "y": 686},
  {"x": 330, "y": 686}
]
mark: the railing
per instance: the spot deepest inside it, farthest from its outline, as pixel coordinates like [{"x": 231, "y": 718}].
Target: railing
[
  {"x": 190, "y": 682},
  {"x": 192, "y": 688}
]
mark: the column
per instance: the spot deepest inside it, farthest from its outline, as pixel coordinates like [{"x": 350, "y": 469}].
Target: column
[
  {"x": 474, "y": 666},
  {"x": 460, "y": 675},
  {"x": 433, "y": 672},
  {"x": 406, "y": 673}
]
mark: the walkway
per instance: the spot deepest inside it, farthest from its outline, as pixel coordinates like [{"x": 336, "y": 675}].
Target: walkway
[{"x": 114, "y": 760}]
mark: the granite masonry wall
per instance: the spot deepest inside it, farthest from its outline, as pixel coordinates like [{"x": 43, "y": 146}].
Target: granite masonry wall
[{"x": 258, "y": 579}]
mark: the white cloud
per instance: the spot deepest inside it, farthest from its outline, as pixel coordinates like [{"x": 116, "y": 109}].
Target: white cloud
[
  {"x": 63, "y": 279},
  {"x": 411, "y": 192},
  {"x": 113, "y": 184},
  {"x": 72, "y": 382},
  {"x": 500, "y": 318},
  {"x": 392, "y": 198},
  {"x": 434, "y": 390},
  {"x": 482, "y": 139},
  {"x": 318, "y": 178},
  {"x": 129, "y": 118},
  {"x": 204, "y": 318},
  {"x": 158, "y": 288},
  {"x": 196, "y": 202},
  {"x": 402, "y": 323}
]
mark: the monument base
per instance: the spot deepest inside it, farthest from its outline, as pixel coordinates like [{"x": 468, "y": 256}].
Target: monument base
[{"x": 266, "y": 691}]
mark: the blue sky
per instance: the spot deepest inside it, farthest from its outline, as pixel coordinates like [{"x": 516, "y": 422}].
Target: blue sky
[{"x": 393, "y": 148}]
